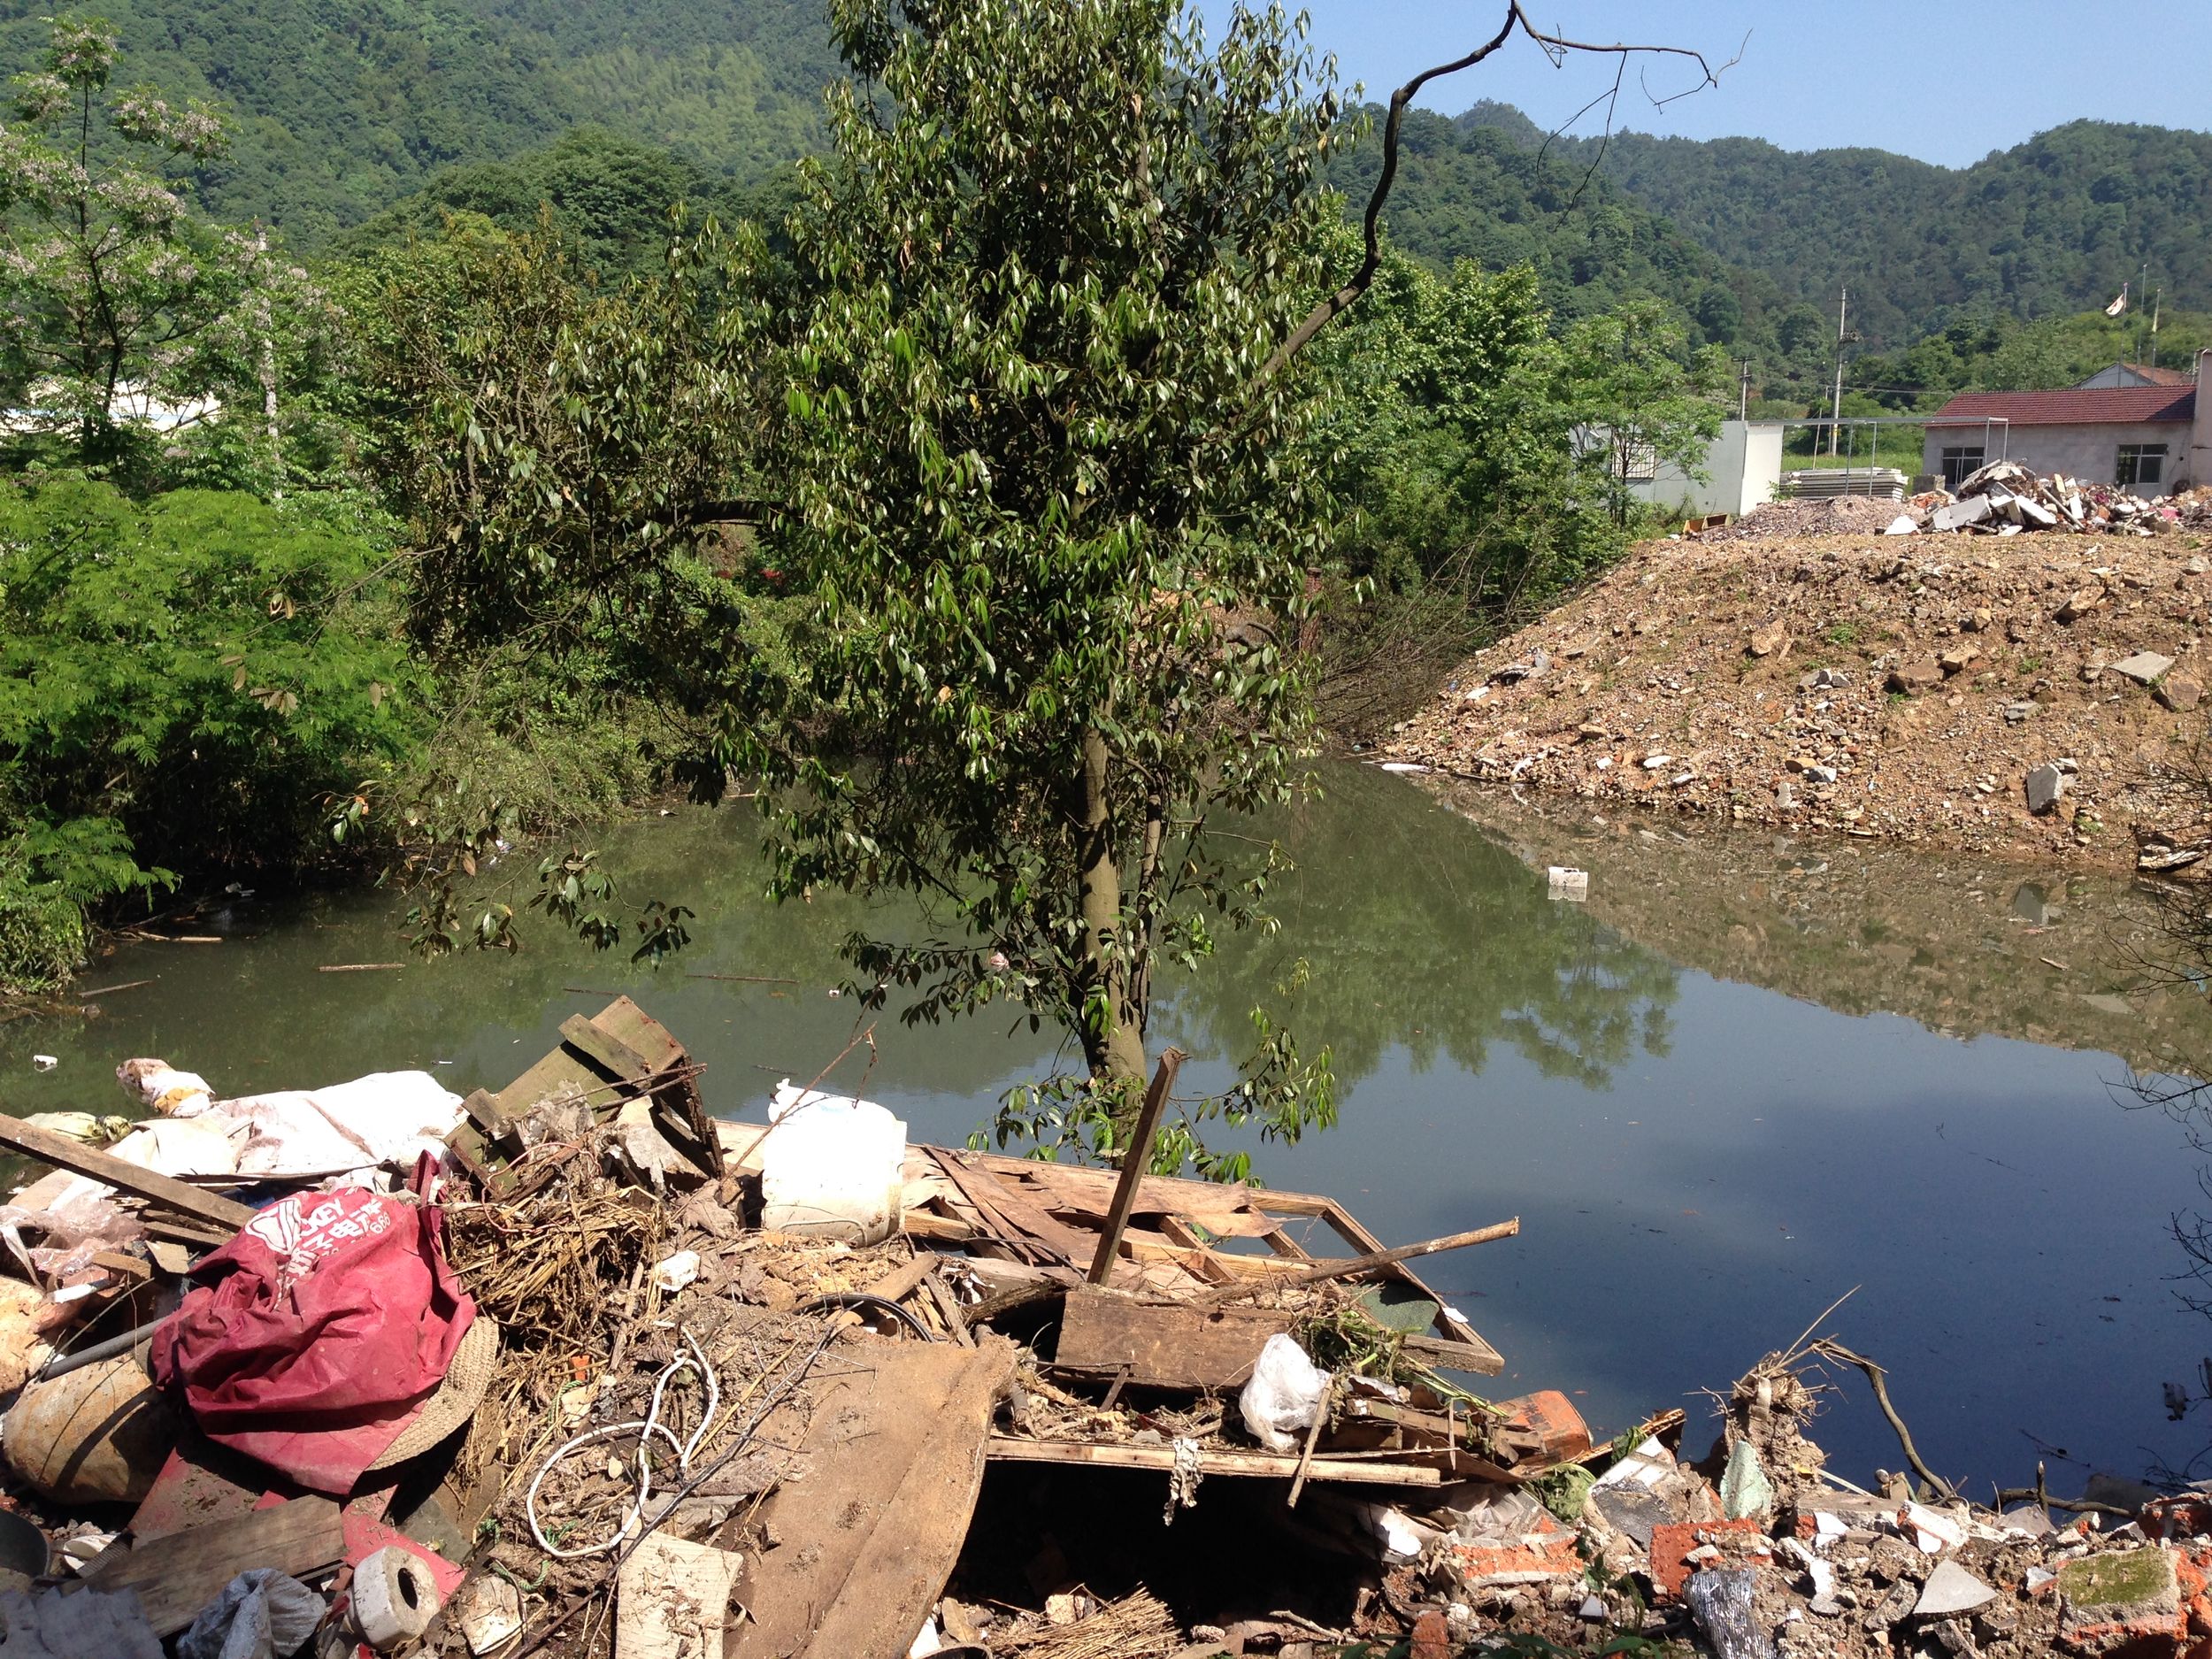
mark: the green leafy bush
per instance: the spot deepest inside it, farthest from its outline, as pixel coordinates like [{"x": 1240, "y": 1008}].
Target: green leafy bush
[{"x": 191, "y": 682}]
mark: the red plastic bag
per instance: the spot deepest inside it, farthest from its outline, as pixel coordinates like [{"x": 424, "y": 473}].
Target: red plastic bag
[{"x": 320, "y": 1331}]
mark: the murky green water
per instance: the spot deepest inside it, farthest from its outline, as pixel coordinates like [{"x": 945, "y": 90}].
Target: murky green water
[{"x": 1747, "y": 1077}]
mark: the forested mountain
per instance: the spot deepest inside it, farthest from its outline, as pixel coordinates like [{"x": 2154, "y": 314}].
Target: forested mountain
[
  {"x": 342, "y": 107},
  {"x": 2051, "y": 225}
]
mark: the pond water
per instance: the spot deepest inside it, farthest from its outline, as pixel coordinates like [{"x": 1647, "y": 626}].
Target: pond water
[{"x": 1747, "y": 1077}]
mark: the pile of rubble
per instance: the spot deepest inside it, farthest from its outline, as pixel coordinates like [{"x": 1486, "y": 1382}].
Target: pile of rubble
[
  {"x": 1757, "y": 1552},
  {"x": 2036, "y": 694},
  {"x": 2006, "y": 498}
]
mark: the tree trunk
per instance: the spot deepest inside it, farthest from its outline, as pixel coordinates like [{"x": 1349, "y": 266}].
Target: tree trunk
[{"x": 1115, "y": 1051}]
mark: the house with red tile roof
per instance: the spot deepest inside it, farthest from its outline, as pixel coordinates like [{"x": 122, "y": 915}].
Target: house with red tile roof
[{"x": 2152, "y": 438}]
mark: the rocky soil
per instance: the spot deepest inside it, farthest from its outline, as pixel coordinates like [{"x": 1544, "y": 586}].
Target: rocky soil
[{"x": 2017, "y": 694}]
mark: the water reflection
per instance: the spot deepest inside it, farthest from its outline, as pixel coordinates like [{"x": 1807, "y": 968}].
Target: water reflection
[{"x": 1422, "y": 937}]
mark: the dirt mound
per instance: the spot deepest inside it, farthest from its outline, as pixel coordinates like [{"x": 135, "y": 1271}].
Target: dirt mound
[
  {"x": 1838, "y": 515},
  {"x": 2010, "y": 694}
]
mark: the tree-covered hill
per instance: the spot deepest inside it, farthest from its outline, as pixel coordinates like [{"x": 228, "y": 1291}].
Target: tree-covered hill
[
  {"x": 342, "y": 107},
  {"x": 2051, "y": 225}
]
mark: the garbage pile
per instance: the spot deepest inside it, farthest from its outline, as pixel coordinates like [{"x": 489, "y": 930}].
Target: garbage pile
[
  {"x": 2006, "y": 498},
  {"x": 598, "y": 1374}
]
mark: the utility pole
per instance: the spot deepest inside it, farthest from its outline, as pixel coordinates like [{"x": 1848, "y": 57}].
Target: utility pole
[
  {"x": 1843, "y": 317},
  {"x": 1743, "y": 392}
]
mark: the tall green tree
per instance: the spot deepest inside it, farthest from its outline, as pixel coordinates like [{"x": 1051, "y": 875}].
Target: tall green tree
[
  {"x": 122, "y": 311},
  {"x": 1055, "y": 530}
]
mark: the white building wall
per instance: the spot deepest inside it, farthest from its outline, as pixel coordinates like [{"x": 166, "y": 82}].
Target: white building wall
[
  {"x": 2090, "y": 452},
  {"x": 1743, "y": 468}
]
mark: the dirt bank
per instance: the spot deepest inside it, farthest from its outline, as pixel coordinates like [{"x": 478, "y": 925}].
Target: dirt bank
[{"x": 1900, "y": 687}]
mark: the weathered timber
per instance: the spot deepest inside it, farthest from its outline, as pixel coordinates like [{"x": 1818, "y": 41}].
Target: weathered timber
[
  {"x": 215, "y": 1211},
  {"x": 1013, "y": 1448},
  {"x": 1322, "y": 1271},
  {"x": 1135, "y": 1159},
  {"x": 1162, "y": 1346},
  {"x": 179, "y": 1573}
]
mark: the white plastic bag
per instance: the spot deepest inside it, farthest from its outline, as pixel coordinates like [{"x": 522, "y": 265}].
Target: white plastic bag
[{"x": 1285, "y": 1393}]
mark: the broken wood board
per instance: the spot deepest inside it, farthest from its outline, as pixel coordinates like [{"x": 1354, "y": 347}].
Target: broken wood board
[
  {"x": 1153, "y": 1345},
  {"x": 1013, "y": 1448},
  {"x": 618, "y": 1054},
  {"x": 177, "y": 1575},
  {"x": 895, "y": 1449},
  {"x": 226, "y": 1215},
  {"x": 672, "y": 1598}
]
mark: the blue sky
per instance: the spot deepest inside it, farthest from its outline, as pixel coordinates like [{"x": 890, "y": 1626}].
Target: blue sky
[{"x": 1947, "y": 84}]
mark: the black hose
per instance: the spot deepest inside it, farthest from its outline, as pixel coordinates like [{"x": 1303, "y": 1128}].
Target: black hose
[{"x": 857, "y": 1299}]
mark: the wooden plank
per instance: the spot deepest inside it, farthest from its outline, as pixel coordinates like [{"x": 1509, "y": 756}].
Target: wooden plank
[
  {"x": 1348, "y": 1227},
  {"x": 1019, "y": 1218},
  {"x": 1204, "y": 1262},
  {"x": 1135, "y": 1159},
  {"x": 605, "y": 1050},
  {"x": 1162, "y": 1345},
  {"x": 895, "y": 1445},
  {"x": 1477, "y": 1356},
  {"x": 226, "y": 1214},
  {"x": 177, "y": 1575},
  {"x": 1013, "y": 1448},
  {"x": 1320, "y": 1271}
]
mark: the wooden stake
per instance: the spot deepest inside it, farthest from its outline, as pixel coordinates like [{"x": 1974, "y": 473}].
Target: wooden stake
[
  {"x": 1321, "y": 1270},
  {"x": 1135, "y": 1160},
  {"x": 1313, "y": 1438}
]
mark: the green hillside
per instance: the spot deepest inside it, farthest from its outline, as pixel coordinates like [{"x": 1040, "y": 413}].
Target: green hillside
[
  {"x": 2049, "y": 226},
  {"x": 342, "y": 107}
]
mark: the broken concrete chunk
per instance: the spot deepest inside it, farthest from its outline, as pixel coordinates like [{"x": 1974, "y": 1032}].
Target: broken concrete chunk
[
  {"x": 2180, "y": 692},
  {"x": 1903, "y": 524},
  {"x": 1959, "y": 514},
  {"x": 1745, "y": 1489},
  {"x": 2143, "y": 667},
  {"x": 1770, "y": 641},
  {"x": 2045, "y": 785},
  {"x": 1951, "y": 1589},
  {"x": 2119, "y": 1587},
  {"x": 2017, "y": 713},
  {"x": 1958, "y": 658},
  {"x": 2080, "y": 604},
  {"x": 1916, "y": 675}
]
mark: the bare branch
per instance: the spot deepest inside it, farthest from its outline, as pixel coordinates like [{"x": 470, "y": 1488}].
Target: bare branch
[{"x": 1555, "y": 47}]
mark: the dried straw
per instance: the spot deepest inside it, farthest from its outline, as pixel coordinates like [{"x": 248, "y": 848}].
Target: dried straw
[{"x": 1137, "y": 1626}]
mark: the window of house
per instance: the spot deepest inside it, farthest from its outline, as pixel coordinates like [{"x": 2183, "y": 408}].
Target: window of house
[
  {"x": 2141, "y": 463},
  {"x": 1639, "y": 461},
  {"x": 1959, "y": 460}
]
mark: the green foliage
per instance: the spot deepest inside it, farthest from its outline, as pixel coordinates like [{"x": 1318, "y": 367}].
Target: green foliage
[
  {"x": 122, "y": 313},
  {"x": 1482, "y": 454},
  {"x": 191, "y": 679},
  {"x": 2045, "y": 228},
  {"x": 1467, "y": 190},
  {"x": 1054, "y": 535},
  {"x": 1998, "y": 352},
  {"x": 42, "y": 935},
  {"x": 340, "y": 109},
  {"x": 608, "y": 198}
]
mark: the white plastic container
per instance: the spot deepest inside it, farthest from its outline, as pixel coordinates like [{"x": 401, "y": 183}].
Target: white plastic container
[{"x": 832, "y": 1167}]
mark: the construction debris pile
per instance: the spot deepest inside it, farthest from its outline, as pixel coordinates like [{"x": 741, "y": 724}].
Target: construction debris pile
[
  {"x": 2002, "y": 498},
  {"x": 593, "y": 1373},
  {"x": 2005, "y": 498}
]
